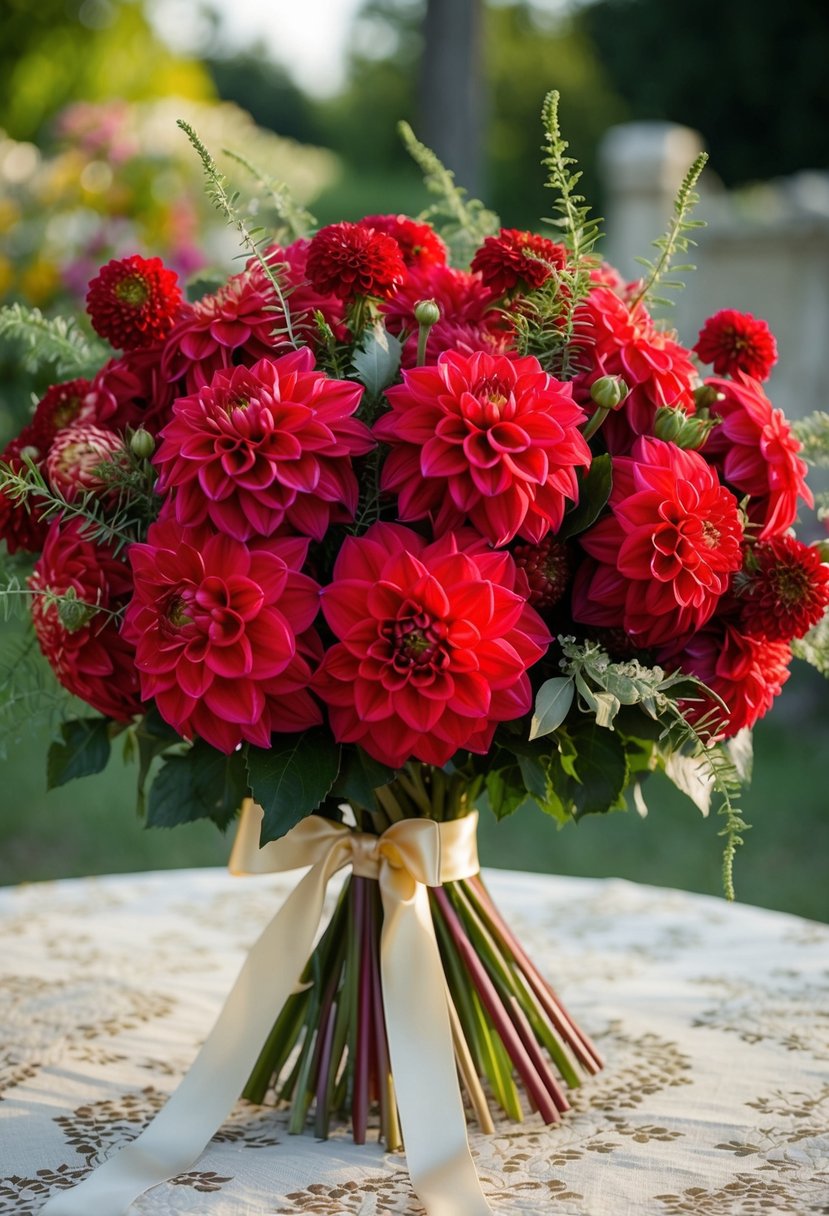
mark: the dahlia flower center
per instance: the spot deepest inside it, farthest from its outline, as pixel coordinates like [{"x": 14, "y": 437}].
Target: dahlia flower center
[
  {"x": 710, "y": 534},
  {"x": 66, "y": 412},
  {"x": 176, "y": 611},
  {"x": 493, "y": 395},
  {"x": 133, "y": 291},
  {"x": 416, "y": 641},
  {"x": 790, "y": 585}
]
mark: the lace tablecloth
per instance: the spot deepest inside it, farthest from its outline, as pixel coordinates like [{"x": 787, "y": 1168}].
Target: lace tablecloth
[{"x": 714, "y": 1020}]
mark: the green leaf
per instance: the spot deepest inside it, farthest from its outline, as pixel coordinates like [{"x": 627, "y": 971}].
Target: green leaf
[
  {"x": 504, "y": 792},
  {"x": 201, "y": 784},
  {"x": 360, "y": 775},
  {"x": 377, "y": 360},
  {"x": 552, "y": 705},
  {"x": 740, "y": 749},
  {"x": 153, "y": 737},
  {"x": 594, "y": 491},
  {"x": 51, "y": 341},
  {"x": 291, "y": 779},
  {"x": 691, "y": 775},
  {"x": 83, "y": 749},
  {"x": 600, "y": 771},
  {"x": 204, "y": 283}
]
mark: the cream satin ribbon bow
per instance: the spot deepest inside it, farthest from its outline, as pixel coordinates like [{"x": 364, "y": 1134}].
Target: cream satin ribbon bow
[{"x": 412, "y": 855}]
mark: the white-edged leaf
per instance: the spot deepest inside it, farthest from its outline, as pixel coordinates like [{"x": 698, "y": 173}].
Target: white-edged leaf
[
  {"x": 552, "y": 705},
  {"x": 740, "y": 750},
  {"x": 639, "y": 800},
  {"x": 692, "y": 775}
]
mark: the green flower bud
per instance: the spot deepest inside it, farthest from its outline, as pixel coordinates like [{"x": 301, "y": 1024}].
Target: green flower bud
[
  {"x": 707, "y": 397},
  {"x": 609, "y": 392},
  {"x": 142, "y": 444},
  {"x": 426, "y": 312},
  {"x": 686, "y": 431}
]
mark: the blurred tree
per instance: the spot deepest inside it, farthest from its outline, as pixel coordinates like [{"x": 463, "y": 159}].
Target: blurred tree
[
  {"x": 267, "y": 92},
  {"x": 57, "y": 51},
  {"x": 751, "y": 77},
  {"x": 452, "y": 88}
]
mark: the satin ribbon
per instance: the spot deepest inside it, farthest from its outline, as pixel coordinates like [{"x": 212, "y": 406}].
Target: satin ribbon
[{"x": 409, "y": 857}]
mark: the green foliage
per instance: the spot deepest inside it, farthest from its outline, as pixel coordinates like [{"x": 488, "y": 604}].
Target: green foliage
[
  {"x": 202, "y": 783},
  {"x": 594, "y": 491},
  {"x": 676, "y": 240},
  {"x": 813, "y": 433},
  {"x": 578, "y": 229},
  {"x": 82, "y": 749},
  {"x": 29, "y": 695},
  {"x": 814, "y": 647},
  {"x": 463, "y": 223},
  {"x": 590, "y": 770},
  {"x": 253, "y": 239},
  {"x": 292, "y": 778},
  {"x": 552, "y": 705},
  {"x": 152, "y": 737},
  {"x": 295, "y": 221},
  {"x": 54, "y": 342},
  {"x": 359, "y": 776},
  {"x": 376, "y": 360}
]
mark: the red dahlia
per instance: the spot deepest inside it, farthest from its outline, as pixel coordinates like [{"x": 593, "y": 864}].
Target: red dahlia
[
  {"x": 79, "y": 586},
  {"x": 131, "y": 391},
  {"x": 134, "y": 302},
  {"x": 483, "y": 438},
  {"x": 660, "y": 562},
  {"x": 614, "y": 340},
  {"x": 223, "y": 635},
  {"x": 350, "y": 260},
  {"x": 548, "y": 567},
  {"x": 747, "y": 673},
  {"x": 21, "y": 523},
  {"x": 263, "y": 446},
  {"x": 757, "y": 454},
  {"x": 60, "y": 406},
  {"x": 75, "y": 460},
  {"x": 515, "y": 259},
  {"x": 737, "y": 342},
  {"x": 419, "y": 244},
  {"x": 786, "y": 589},
  {"x": 434, "y": 647}
]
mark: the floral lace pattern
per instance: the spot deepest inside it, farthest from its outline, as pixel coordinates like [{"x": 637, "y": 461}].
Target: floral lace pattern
[{"x": 714, "y": 1102}]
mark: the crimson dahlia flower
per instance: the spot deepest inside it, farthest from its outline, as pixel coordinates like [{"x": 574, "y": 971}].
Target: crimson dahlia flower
[
  {"x": 351, "y": 260},
  {"x": 435, "y": 644},
  {"x": 757, "y": 454},
  {"x": 518, "y": 259},
  {"x": 130, "y": 391},
  {"x": 222, "y": 632},
  {"x": 134, "y": 302},
  {"x": 60, "y": 406},
  {"x": 785, "y": 590},
  {"x": 419, "y": 244},
  {"x": 662, "y": 559},
  {"x": 78, "y": 632},
  {"x": 263, "y": 446},
  {"x": 737, "y": 342},
  {"x": 483, "y": 438},
  {"x": 614, "y": 340},
  {"x": 21, "y": 523}
]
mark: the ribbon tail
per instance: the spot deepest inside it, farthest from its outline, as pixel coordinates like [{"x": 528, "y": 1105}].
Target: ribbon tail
[
  {"x": 196, "y": 1110},
  {"x": 419, "y": 1033}
]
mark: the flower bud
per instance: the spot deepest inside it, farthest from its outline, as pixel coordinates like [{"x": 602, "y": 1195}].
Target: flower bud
[
  {"x": 426, "y": 312},
  {"x": 609, "y": 392},
  {"x": 142, "y": 444},
  {"x": 686, "y": 431},
  {"x": 706, "y": 396},
  {"x": 30, "y": 452}
]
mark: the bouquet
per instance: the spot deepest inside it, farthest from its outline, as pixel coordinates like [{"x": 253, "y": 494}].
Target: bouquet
[{"x": 409, "y": 518}]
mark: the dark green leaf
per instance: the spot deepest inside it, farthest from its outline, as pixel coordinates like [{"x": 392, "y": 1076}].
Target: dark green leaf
[
  {"x": 594, "y": 491},
  {"x": 153, "y": 737},
  {"x": 534, "y": 776},
  {"x": 201, "y": 784},
  {"x": 599, "y": 771},
  {"x": 204, "y": 283},
  {"x": 82, "y": 749},
  {"x": 505, "y": 791},
  {"x": 360, "y": 775},
  {"x": 290, "y": 779},
  {"x": 377, "y": 360}
]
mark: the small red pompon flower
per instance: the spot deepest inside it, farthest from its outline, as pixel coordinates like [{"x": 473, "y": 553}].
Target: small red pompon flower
[
  {"x": 548, "y": 567},
  {"x": 350, "y": 260},
  {"x": 223, "y": 634},
  {"x": 75, "y": 460},
  {"x": 435, "y": 643},
  {"x": 419, "y": 244},
  {"x": 515, "y": 259},
  {"x": 757, "y": 454},
  {"x": 21, "y": 523},
  {"x": 747, "y": 673},
  {"x": 79, "y": 586},
  {"x": 663, "y": 558},
  {"x": 784, "y": 590},
  {"x": 59, "y": 407},
  {"x": 487, "y": 439},
  {"x": 613, "y": 340},
  {"x": 737, "y": 342},
  {"x": 263, "y": 446},
  {"x": 134, "y": 302}
]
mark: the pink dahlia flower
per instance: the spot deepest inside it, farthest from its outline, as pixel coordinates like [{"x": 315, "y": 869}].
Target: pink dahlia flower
[
  {"x": 484, "y": 438},
  {"x": 75, "y": 460},
  {"x": 79, "y": 586},
  {"x": 747, "y": 673},
  {"x": 435, "y": 644},
  {"x": 659, "y": 563},
  {"x": 263, "y": 446},
  {"x": 757, "y": 454},
  {"x": 613, "y": 340},
  {"x": 223, "y": 633}
]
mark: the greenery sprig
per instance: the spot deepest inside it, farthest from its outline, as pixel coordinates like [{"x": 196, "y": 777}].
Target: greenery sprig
[
  {"x": 296, "y": 220},
  {"x": 56, "y": 342},
  {"x": 465, "y": 222},
  {"x": 676, "y": 240}
]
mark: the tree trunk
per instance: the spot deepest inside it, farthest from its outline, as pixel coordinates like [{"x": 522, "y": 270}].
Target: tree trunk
[{"x": 452, "y": 87}]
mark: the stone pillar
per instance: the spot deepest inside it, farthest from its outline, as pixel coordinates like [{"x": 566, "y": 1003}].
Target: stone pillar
[{"x": 642, "y": 166}]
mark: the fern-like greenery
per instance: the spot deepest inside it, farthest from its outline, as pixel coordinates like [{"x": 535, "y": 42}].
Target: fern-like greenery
[
  {"x": 462, "y": 222},
  {"x": 578, "y": 230},
  {"x": 55, "y": 342},
  {"x": 813, "y": 433},
  {"x": 814, "y": 647},
  {"x": 296, "y": 221},
  {"x": 676, "y": 240},
  {"x": 29, "y": 694},
  {"x": 253, "y": 239}
]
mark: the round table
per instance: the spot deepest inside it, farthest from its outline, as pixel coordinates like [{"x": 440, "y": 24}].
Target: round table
[{"x": 714, "y": 1021}]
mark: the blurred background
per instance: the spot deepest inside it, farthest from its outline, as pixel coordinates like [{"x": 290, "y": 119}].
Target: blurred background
[{"x": 92, "y": 166}]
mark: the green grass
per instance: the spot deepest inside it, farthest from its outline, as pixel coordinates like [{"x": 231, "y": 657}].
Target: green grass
[{"x": 90, "y": 826}]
